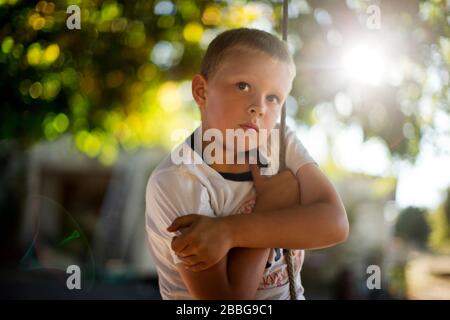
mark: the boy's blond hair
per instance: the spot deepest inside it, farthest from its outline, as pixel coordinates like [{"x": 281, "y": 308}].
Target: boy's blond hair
[{"x": 247, "y": 39}]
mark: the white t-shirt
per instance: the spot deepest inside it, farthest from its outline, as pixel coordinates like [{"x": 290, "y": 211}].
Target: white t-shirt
[{"x": 175, "y": 190}]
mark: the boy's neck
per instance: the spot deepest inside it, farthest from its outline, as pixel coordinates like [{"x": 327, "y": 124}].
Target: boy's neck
[{"x": 227, "y": 167}]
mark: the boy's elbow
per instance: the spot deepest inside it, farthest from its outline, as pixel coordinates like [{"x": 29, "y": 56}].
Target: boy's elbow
[
  {"x": 245, "y": 294},
  {"x": 241, "y": 293},
  {"x": 226, "y": 295},
  {"x": 225, "y": 291},
  {"x": 342, "y": 227}
]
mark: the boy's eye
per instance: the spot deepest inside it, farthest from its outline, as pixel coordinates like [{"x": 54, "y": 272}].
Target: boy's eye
[
  {"x": 273, "y": 99},
  {"x": 243, "y": 85}
]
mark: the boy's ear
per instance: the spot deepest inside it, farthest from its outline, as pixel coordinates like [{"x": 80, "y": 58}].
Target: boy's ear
[{"x": 199, "y": 86}]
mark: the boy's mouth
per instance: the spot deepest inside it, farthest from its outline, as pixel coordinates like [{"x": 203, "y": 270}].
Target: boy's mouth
[{"x": 249, "y": 126}]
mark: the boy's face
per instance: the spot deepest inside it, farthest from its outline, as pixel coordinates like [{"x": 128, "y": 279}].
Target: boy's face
[{"x": 248, "y": 88}]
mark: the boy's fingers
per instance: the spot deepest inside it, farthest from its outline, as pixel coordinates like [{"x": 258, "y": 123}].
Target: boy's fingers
[
  {"x": 186, "y": 252},
  {"x": 287, "y": 174},
  {"x": 178, "y": 244},
  {"x": 256, "y": 173},
  {"x": 198, "y": 267},
  {"x": 190, "y": 261},
  {"x": 181, "y": 222}
]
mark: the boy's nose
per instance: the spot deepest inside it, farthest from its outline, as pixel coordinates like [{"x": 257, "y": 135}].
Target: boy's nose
[{"x": 254, "y": 110}]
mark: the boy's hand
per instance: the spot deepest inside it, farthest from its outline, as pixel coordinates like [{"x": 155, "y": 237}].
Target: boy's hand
[
  {"x": 275, "y": 192},
  {"x": 203, "y": 240}
]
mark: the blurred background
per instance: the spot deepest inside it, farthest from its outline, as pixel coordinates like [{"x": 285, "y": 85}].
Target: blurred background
[{"x": 87, "y": 113}]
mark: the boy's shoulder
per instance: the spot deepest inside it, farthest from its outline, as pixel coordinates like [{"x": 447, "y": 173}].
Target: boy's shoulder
[
  {"x": 180, "y": 164},
  {"x": 167, "y": 167}
]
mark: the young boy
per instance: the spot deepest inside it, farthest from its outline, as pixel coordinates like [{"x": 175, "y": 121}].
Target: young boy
[{"x": 230, "y": 220}]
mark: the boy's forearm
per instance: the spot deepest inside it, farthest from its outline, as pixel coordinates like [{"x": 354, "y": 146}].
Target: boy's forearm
[
  {"x": 299, "y": 227},
  {"x": 246, "y": 265},
  {"x": 245, "y": 269}
]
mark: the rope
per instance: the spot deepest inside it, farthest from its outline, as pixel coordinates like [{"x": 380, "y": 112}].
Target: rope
[{"x": 282, "y": 162}]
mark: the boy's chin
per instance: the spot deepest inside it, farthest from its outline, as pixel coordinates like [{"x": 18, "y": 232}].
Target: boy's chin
[
  {"x": 245, "y": 145},
  {"x": 242, "y": 149}
]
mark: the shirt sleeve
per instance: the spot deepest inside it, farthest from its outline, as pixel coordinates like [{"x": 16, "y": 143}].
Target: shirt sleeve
[
  {"x": 296, "y": 154},
  {"x": 171, "y": 194}
]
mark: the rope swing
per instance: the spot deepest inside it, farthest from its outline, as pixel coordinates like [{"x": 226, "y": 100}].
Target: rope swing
[{"x": 282, "y": 162}]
